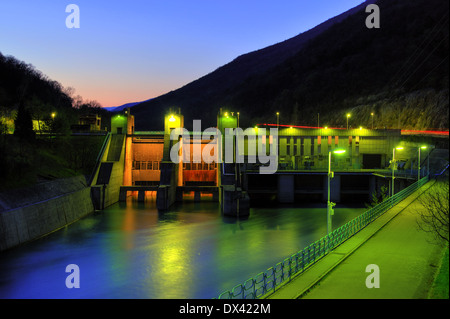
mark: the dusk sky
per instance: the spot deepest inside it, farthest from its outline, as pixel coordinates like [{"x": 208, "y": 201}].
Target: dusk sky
[{"x": 128, "y": 51}]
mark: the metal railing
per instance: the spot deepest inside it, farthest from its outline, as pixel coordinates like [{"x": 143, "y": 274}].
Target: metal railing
[{"x": 282, "y": 272}]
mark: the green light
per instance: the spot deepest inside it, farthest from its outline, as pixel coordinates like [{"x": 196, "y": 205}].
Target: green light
[
  {"x": 339, "y": 151},
  {"x": 399, "y": 148},
  {"x": 423, "y": 147}
]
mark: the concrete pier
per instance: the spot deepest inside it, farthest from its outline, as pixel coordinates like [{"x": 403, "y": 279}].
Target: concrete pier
[
  {"x": 335, "y": 189},
  {"x": 286, "y": 188},
  {"x": 235, "y": 202}
]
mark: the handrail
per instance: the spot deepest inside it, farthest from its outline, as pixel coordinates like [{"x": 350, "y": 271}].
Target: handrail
[
  {"x": 99, "y": 158},
  {"x": 283, "y": 271}
]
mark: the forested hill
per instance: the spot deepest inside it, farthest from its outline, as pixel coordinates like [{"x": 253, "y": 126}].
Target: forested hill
[
  {"x": 22, "y": 85},
  {"x": 399, "y": 72},
  {"x": 20, "y": 82}
]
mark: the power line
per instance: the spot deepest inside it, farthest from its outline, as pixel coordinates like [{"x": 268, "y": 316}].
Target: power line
[
  {"x": 430, "y": 71},
  {"x": 424, "y": 60},
  {"x": 401, "y": 73}
]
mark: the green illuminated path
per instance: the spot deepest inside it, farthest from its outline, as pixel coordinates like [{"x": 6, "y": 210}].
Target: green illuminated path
[{"x": 406, "y": 259}]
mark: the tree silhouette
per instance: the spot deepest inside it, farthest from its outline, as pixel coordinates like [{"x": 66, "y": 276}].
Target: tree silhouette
[
  {"x": 24, "y": 124},
  {"x": 434, "y": 212}
]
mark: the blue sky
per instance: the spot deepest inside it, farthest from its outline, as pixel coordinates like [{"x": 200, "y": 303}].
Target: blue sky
[{"x": 127, "y": 51}]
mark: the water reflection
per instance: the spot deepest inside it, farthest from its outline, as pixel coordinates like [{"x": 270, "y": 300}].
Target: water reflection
[{"x": 133, "y": 251}]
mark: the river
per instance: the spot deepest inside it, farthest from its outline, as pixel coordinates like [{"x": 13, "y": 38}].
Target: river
[{"x": 132, "y": 251}]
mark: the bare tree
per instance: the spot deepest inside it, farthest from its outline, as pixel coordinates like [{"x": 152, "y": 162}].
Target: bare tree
[
  {"x": 434, "y": 211},
  {"x": 77, "y": 101}
]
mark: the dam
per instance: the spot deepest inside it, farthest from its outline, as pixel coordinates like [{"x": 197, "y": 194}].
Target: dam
[
  {"x": 306, "y": 162},
  {"x": 195, "y": 228}
]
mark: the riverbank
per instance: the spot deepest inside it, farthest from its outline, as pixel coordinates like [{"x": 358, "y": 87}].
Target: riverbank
[
  {"x": 29, "y": 213},
  {"x": 407, "y": 259},
  {"x": 439, "y": 290}
]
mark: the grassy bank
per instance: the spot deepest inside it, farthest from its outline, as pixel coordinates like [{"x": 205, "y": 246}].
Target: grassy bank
[
  {"x": 24, "y": 163},
  {"x": 440, "y": 286}
]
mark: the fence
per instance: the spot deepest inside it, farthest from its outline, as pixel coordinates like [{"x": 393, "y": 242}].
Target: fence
[{"x": 283, "y": 271}]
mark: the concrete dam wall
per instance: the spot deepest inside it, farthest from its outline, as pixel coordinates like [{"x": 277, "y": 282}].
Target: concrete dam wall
[{"x": 29, "y": 214}]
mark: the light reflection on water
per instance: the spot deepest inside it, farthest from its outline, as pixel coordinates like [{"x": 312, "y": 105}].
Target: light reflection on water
[{"x": 132, "y": 251}]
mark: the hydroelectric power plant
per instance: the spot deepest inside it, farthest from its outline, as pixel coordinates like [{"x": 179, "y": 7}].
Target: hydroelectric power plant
[
  {"x": 134, "y": 162},
  {"x": 169, "y": 223}
]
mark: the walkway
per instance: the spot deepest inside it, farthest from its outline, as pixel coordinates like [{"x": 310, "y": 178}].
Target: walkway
[{"x": 406, "y": 258}]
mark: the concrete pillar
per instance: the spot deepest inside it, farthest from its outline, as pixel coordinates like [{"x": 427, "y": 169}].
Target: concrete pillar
[
  {"x": 215, "y": 196},
  {"x": 96, "y": 196},
  {"x": 123, "y": 195},
  {"x": 162, "y": 197},
  {"x": 372, "y": 185},
  {"x": 127, "y": 174},
  {"x": 235, "y": 202},
  {"x": 166, "y": 194},
  {"x": 197, "y": 196},
  {"x": 335, "y": 185},
  {"x": 286, "y": 188},
  {"x": 141, "y": 196},
  {"x": 179, "y": 194}
]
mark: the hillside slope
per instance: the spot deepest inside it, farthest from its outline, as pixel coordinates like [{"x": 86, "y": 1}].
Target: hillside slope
[
  {"x": 203, "y": 97},
  {"x": 399, "y": 71}
]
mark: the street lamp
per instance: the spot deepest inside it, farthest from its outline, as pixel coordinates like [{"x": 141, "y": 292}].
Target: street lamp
[
  {"x": 418, "y": 163},
  {"x": 348, "y": 115},
  {"x": 399, "y": 148},
  {"x": 53, "y": 115},
  {"x": 237, "y": 119},
  {"x": 371, "y": 114},
  {"x": 330, "y": 205},
  {"x": 278, "y": 120}
]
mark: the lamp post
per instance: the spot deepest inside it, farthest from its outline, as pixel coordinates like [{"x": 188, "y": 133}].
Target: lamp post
[
  {"x": 53, "y": 122},
  {"x": 371, "y": 114},
  {"x": 348, "y": 115},
  {"x": 418, "y": 162},
  {"x": 399, "y": 148},
  {"x": 330, "y": 205},
  {"x": 278, "y": 120}
]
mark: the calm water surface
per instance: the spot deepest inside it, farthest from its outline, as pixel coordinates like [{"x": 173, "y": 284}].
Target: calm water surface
[{"x": 132, "y": 251}]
